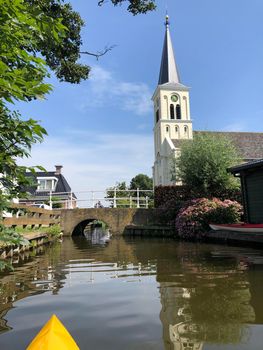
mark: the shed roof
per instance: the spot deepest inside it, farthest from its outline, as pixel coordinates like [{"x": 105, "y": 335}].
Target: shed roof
[{"x": 246, "y": 166}]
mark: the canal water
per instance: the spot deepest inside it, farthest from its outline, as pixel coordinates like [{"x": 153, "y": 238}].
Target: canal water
[{"x": 129, "y": 293}]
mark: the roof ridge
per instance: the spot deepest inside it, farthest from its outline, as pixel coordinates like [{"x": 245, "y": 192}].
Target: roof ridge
[{"x": 230, "y": 132}]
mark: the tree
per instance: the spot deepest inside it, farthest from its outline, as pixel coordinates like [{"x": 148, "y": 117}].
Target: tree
[
  {"x": 22, "y": 78},
  {"x": 141, "y": 181},
  {"x": 120, "y": 191},
  {"x": 144, "y": 183},
  {"x": 127, "y": 196},
  {"x": 62, "y": 55},
  {"x": 135, "y": 6},
  {"x": 202, "y": 166}
]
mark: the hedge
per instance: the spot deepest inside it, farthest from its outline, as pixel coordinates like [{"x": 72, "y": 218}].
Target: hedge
[{"x": 174, "y": 196}]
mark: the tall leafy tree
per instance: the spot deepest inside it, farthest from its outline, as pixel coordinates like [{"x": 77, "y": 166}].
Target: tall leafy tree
[
  {"x": 141, "y": 181},
  {"x": 22, "y": 75},
  {"x": 144, "y": 183},
  {"x": 62, "y": 55},
  {"x": 127, "y": 195},
  {"x": 120, "y": 191},
  {"x": 202, "y": 165}
]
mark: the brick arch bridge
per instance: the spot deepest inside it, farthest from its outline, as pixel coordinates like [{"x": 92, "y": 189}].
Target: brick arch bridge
[{"x": 116, "y": 218}]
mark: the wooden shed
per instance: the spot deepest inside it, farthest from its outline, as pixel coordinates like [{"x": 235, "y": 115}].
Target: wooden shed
[{"x": 251, "y": 176}]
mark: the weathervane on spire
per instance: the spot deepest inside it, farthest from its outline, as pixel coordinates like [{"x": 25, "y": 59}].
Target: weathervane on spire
[{"x": 167, "y": 22}]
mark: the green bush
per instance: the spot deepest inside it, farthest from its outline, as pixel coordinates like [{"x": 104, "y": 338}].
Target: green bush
[
  {"x": 203, "y": 163},
  {"x": 53, "y": 230},
  {"x": 194, "y": 218}
]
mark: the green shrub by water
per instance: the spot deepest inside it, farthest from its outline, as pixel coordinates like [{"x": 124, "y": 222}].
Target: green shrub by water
[{"x": 53, "y": 230}]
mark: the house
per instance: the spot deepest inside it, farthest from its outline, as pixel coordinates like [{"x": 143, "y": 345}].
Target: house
[
  {"x": 50, "y": 187},
  {"x": 173, "y": 124},
  {"x": 251, "y": 176}
]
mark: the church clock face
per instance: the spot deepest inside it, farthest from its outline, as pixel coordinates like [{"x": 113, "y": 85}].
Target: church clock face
[{"x": 174, "y": 98}]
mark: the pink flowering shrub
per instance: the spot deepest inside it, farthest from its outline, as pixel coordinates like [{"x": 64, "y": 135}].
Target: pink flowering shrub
[{"x": 195, "y": 216}]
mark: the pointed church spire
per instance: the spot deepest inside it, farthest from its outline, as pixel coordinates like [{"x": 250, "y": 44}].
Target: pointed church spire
[{"x": 168, "y": 71}]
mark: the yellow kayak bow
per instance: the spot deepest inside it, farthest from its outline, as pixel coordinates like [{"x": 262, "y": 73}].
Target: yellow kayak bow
[{"x": 53, "y": 336}]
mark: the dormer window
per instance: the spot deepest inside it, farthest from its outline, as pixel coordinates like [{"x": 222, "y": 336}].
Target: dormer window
[{"x": 46, "y": 184}]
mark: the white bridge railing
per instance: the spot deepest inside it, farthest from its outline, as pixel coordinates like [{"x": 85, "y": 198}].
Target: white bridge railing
[{"x": 111, "y": 198}]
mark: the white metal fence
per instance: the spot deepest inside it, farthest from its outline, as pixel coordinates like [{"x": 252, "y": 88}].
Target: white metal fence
[{"x": 113, "y": 198}]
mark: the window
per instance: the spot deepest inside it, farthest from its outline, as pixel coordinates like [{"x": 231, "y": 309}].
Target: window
[
  {"x": 171, "y": 111},
  {"x": 177, "y": 132},
  {"x": 41, "y": 184},
  {"x": 157, "y": 115},
  {"x": 178, "y": 112},
  {"x": 46, "y": 184},
  {"x": 167, "y": 128}
]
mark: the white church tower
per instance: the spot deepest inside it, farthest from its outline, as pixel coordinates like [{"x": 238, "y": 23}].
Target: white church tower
[{"x": 172, "y": 121}]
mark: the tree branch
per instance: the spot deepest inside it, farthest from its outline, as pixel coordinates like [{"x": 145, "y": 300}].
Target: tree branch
[{"x": 98, "y": 54}]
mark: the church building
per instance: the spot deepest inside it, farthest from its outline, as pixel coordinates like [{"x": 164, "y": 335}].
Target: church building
[{"x": 173, "y": 124}]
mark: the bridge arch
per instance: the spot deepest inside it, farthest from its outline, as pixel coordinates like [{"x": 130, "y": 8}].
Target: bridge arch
[
  {"x": 81, "y": 226},
  {"x": 115, "y": 218}
]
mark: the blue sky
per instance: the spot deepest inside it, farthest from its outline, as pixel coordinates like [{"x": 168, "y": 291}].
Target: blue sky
[{"x": 101, "y": 129}]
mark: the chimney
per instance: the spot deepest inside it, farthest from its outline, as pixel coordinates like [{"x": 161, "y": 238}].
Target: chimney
[{"x": 58, "y": 169}]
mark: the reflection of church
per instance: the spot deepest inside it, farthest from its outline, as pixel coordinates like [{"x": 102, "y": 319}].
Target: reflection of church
[
  {"x": 178, "y": 336},
  {"x": 173, "y": 124},
  {"x": 179, "y": 332},
  {"x": 203, "y": 301}
]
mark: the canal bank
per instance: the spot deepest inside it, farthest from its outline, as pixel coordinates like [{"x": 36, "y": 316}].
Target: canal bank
[
  {"x": 221, "y": 237},
  {"x": 34, "y": 239},
  {"x": 28, "y": 227},
  {"x": 150, "y": 231},
  {"x": 235, "y": 237}
]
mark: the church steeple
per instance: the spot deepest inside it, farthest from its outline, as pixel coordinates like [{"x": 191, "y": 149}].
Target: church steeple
[
  {"x": 168, "y": 71},
  {"x": 172, "y": 119}
]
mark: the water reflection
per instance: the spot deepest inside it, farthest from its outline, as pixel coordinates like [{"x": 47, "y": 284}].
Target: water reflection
[
  {"x": 34, "y": 274},
  {"x": 205, "y": 300},
  {"x": 194, "y": 295},
  {"x": 207, "y": 294},
  {"x": 98, "y": 235}
]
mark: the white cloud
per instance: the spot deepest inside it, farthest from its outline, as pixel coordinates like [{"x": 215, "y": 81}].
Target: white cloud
[
  {"x": 105, "y": 88},
  {"x": 238, "y": 126},
  {"x": 95, "y": 162}
]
